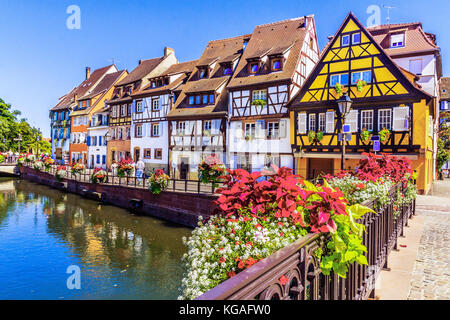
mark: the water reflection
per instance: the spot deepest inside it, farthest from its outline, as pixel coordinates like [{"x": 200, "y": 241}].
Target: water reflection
[{"x": 121, "y": 256}]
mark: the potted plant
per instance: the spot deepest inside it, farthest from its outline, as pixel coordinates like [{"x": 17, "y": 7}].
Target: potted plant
[
  {"x": 210, "y": 170},
  {"x": 158, "y": 181},
  {"x": 384, "y": 135},
  {"x": 99, "y": 176},
  {"x": 126, "y": 167},
  {"x": 48, "y": 162},
  {"x": 259, "y": 102},
  {"x": 61, "y": 172},
  {"x": 78, "y": 168},
  {"x": 360, "y": 84},
  {"x": 38, "y": 165},
  {"x": 365, "y": 135},
  {"x": 339, "y": 88},
  {"x": 315, "y": 137}
]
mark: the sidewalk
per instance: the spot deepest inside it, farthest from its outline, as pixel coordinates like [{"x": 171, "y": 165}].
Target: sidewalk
[{"x": 420, "y": 270}]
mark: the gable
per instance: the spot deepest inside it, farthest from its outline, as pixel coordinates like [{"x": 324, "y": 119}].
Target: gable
[{"x": 353, "y": 54}]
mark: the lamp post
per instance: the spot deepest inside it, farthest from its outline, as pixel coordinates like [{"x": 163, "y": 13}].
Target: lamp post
[{"x": 344, "y": 105}]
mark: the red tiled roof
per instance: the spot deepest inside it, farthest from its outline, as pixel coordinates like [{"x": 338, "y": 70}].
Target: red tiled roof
[{"x": 141, "y": 71}]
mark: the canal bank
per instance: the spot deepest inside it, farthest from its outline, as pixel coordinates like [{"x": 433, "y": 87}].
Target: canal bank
[
  {"x": 178, "y": 207},
  {"x": 121, "y": 256}
]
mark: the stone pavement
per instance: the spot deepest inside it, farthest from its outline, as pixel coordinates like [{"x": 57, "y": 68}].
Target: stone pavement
[{"x": 420, "y": 270}]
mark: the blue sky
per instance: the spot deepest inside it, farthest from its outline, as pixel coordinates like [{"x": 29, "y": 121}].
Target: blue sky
[{"x": 41, "y": 59}]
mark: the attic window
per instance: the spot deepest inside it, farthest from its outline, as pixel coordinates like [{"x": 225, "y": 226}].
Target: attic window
[
  {"x": 203, "y": 73},
  {"x": 345, "y": 41},
  {"x": 356, "y": 38},
  {"x": 227, "y": 70},
  {"x": 254, "y": 67},
  {"x": 397, "y": 40},
  {"x": 276, "y": 64}
]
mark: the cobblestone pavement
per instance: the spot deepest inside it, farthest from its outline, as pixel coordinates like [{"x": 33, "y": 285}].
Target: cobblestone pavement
[{"x": 431, "y": 276}]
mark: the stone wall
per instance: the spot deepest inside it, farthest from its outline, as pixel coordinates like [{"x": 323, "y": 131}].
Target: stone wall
[{"x": 179, "y": 207}]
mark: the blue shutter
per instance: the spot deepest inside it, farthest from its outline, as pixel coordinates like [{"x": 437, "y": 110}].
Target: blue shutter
[
  {"x": 133, "y": 108},
  {"x": 99, "y": 140},
  {"x": 98, "y": 159},
  {"x": 103, "y": 159},
  {"x": 88, "y": 141}
]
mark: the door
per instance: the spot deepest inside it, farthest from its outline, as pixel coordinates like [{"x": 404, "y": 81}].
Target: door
[
  {"x": 137, "y": 154},
  {"x": 184, "y": 168},
  {"x": 318, "y": 167}
]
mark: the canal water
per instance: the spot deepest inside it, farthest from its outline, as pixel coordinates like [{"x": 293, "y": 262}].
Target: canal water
[{"x": 46, "y": 236}]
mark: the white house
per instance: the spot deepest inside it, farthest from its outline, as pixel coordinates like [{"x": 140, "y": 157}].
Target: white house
[
  {"x": 96, "y": 141},
  {"x": 276, "y": 61}
]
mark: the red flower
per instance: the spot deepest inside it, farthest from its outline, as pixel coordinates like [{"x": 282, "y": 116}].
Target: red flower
[
  {"x": 222, "y": 260},
  {"x": 360, "y": 185},
  {"x": 283, "y": 280},
  {"x": 231, "y": 274}
]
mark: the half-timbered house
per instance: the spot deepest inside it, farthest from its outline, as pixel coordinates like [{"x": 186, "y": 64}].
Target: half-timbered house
[
  {"x": 198, "y": 121},
  {"x": 150, "y": 128},
  {"x": 387, "y": 105},
  {"x": 276, "y": 61},
  {"x": 121, "y": 104}
]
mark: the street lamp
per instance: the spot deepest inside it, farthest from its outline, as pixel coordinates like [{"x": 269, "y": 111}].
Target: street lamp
[{"x": 344, "y": 104}]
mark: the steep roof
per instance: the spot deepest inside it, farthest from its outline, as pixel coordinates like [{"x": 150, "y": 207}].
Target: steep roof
[
  {"x": 104, "y": 85},
  {"x": 272, "y": 39},
  {"x": 416, "y": 40},
  {"x": 83, "y": 88},
  {"x": 142, "y": 70},
  {"x": 212, "y": 55}
]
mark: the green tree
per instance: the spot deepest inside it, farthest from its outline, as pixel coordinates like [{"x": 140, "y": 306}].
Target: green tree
[{"x": 443, "y": 144}]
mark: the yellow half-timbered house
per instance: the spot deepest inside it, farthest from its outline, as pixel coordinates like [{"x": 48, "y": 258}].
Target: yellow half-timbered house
[{"x": 387, "y": 104}]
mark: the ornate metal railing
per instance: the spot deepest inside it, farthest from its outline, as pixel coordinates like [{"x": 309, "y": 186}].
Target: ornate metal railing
[{"x": 299, "y": 264}]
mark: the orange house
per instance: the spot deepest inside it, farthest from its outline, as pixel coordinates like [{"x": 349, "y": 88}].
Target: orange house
[{"x": 87, "y": 105}]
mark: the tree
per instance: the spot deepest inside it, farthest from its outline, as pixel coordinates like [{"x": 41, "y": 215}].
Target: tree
[{"x": 443, "y": 144}]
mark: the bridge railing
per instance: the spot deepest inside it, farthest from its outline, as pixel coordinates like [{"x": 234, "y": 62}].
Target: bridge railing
[{"x": 299, "y": 264}]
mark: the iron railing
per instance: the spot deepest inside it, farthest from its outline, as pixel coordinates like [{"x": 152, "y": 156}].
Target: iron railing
[
  {"x": 175, "y": 184},
  {"x": 300, "y": 265}
]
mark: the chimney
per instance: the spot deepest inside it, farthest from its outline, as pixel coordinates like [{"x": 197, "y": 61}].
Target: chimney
[
  {"x": 168, "y": 51},
  {"x": 88, "y": 72},
  {"x": 140, "y": 61},
  {"x": 305, "y": 22}
]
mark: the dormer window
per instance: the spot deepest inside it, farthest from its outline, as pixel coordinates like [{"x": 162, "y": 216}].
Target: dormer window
[
  {"x": 276, "y": 64},
  {"x": 254, "y": 67},
  {"x": 397, "y": 40},
  {"x": 191, "y": 100},
  {"x": 227, "y": 70},
  {"x": 197, "y": 99},
  {"x": 203, "y": 73}
]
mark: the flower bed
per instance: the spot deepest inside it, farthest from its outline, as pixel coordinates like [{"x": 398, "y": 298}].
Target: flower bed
[
  {"x": 38, "y": 165},
  {"x": 158, "y": 181},
  {"x": 48, "y": 162},
  {"x": 78, "y": 168},
  {"x": 258, "y": 217},
  {"x": 99, "y": 176}
]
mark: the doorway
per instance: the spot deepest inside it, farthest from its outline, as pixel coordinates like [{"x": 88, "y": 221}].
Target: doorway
[
  {"x": 318, "y": 167},
  {"x": 184, "y": 168}
]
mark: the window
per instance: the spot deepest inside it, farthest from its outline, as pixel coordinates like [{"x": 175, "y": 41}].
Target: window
[
  {"x": 243, "y": 162},
  {"x": 273, "y": 130},
  {"x": 203, "y": 73},
  {"x": 158, "y": 154},
  {"x": 155, "y": 129},
  {"x": 312, "y": 122},
  {"x": 207, "y": 125},
  {"x": 147, "y": 153},
  {"x": 181, "y": 127},
  {"x": 397, "y": 40},
  {"x": 55, "y": 116},
  {"x": 384, "y": 119},
  {"x": 339, "y": 78},
  {"x": 356, "y": 38},
  {"x": 139, "y": 106},
  {"x": 259, "y": 95},
  {"x": 120, "y": 134},
  {"x": 362, "y": 75},
  {"x": 321, "y": 122},
  {"x": 250, "y": 130},
  {"x": 197, "y": 99},
  {"x": 98, "y": 159},
  {"x": 211, "y": 98},
  {"x": 129, "y": 109},
  {"x": 254, "y": 67},
  {"x": 270, "y": 160},
  {"x": 103, "y": 159},
  {"x": 276, "y": 65},
  {"x": 227, "y": 71},
  {"x": 367, "y": 120},
  {"x": 205, "y": 99},
  {"x": 123, "y": 110},
  {"x": 155, "y": 104},
  {"x": 415, "y": 66},
  {"x": 191, "y": 99},
  {"x": 345, "y": 40},
  {"x": 114, "y": 111},
  {"x": 139, "y": 131}
]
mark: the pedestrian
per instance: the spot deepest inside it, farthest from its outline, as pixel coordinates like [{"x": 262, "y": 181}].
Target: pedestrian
[{"x": 140, "y": 166}]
